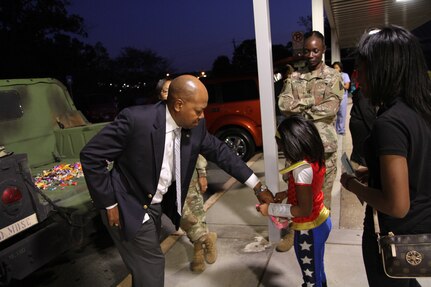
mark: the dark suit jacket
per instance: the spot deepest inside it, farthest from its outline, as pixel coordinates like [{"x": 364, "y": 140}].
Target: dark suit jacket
[{"x": 135, "y": 141}]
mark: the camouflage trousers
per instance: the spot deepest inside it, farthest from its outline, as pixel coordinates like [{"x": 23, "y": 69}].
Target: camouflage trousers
[
  {"x": 193, "y": 217},
  {"x": 331, "y": 171}
]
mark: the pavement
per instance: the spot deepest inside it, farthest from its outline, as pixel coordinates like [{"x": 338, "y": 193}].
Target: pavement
[{"x": 247, "y": 258}]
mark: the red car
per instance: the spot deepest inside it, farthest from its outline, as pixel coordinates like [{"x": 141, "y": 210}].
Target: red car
[{"x": 233, "y": 113}]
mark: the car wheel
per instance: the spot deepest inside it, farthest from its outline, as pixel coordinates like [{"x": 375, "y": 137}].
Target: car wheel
[{"x": 239, "y": 140}]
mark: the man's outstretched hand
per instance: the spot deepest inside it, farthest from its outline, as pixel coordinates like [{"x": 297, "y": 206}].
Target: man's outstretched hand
[{"x": 265, "y": 197}]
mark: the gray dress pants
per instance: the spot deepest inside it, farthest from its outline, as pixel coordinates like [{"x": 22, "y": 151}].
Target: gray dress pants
[{"x": 142, "y": 255}]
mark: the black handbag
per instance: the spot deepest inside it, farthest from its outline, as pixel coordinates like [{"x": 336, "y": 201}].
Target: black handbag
[{"x": 404, "y": 256}]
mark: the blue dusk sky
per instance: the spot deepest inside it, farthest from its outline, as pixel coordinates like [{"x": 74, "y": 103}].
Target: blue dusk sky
[{"x": 190, "y": 34}]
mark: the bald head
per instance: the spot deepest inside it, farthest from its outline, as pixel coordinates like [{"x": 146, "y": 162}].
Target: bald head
[
  {"x": 185, "y": 87},
  {"x": 187, "y": 99}
]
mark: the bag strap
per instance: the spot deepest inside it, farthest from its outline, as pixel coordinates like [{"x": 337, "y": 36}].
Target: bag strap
[
  {"x": 377, "y": 228},
  {"x": 376, "y": 222}
]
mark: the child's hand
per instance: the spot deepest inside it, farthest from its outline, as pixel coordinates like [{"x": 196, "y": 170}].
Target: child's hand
[
  {"x": 262, "y": 208},
  {"x": 280, "y": 196}
]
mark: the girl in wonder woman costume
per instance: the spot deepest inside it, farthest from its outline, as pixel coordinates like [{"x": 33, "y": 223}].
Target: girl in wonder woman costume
[{"x": 303, "y": 148}]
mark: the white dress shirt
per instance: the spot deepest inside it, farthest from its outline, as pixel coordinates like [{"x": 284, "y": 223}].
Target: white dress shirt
[{"x": 167, "y": 175}]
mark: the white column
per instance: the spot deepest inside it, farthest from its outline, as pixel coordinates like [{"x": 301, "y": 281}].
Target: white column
[
  {"x": 267, "y": 100},
  {"x": 317, "y": 17},
  {"x": 335, "y": 47}
]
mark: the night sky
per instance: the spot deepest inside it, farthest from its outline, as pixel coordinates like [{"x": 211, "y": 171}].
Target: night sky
[{"x": 188, "y": 33}]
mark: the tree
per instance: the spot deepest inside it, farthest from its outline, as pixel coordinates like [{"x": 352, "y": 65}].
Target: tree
[
  {"x": 41, "y": 39},
  {"x": 35, "y": 35},
  {"x": 245, "y": 57},
  {"x": 136, "y": 74},
  {"x": 135, "y": 65},
  {"x": 222, "y": 66},
  {"x": 306, "y": 22}
]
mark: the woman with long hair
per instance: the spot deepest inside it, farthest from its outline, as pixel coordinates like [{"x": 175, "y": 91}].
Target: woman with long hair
[{"x": 393, "y": 75}]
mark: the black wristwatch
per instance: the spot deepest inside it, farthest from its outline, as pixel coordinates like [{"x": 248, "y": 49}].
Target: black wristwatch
[{"x": 262, "y": 188}]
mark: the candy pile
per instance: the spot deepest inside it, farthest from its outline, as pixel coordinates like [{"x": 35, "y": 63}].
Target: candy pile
[{"x": 59, "y": 176}]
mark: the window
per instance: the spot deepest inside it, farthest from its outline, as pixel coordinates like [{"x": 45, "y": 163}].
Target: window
[
  {"x": 10, "y": 107},
  {"x": 233, "y": 91}
]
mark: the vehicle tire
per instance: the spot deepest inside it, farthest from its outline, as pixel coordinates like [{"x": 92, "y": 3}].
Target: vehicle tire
[{"x": 239, "y": 140}]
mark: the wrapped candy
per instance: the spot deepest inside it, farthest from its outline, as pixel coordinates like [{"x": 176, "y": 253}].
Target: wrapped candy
[{"x": 61, "y": 175}]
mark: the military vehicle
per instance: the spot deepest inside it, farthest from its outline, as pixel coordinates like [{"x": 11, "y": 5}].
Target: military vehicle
[{"x": 45, "y": 207}]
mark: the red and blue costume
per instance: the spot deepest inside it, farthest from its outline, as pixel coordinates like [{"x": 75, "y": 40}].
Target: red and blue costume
[{"x": 311, "y": 232}]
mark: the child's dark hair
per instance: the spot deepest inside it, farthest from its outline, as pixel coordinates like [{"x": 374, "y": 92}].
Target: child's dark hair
[{"x": 299, "y": 139}]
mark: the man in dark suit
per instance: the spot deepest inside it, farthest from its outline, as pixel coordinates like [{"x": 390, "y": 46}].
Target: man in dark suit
[{"x": 141, "y": 184}]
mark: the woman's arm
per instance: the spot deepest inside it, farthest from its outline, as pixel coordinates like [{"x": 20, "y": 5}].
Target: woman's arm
[{"x": 394, "y": 197}]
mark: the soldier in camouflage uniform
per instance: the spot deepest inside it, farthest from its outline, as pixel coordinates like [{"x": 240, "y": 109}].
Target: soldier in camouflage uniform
[
  {"x": 193, "y": 220},
  {"x": 316, "y": 91}
]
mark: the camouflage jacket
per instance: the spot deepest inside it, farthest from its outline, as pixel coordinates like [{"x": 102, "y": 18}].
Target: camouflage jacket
[{"x": 317, "y": 96}]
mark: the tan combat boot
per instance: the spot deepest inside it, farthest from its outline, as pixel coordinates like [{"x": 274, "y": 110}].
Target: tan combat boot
[
  {"x": 198, "y": 263},
  {"x": 286, "y": 242},
  {"x": 210, "y": 247}
]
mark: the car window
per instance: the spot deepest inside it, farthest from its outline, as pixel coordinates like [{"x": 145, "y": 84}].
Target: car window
[
  {"x": 233, "y": 91},
  {"x": 10, "y": 108}
]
